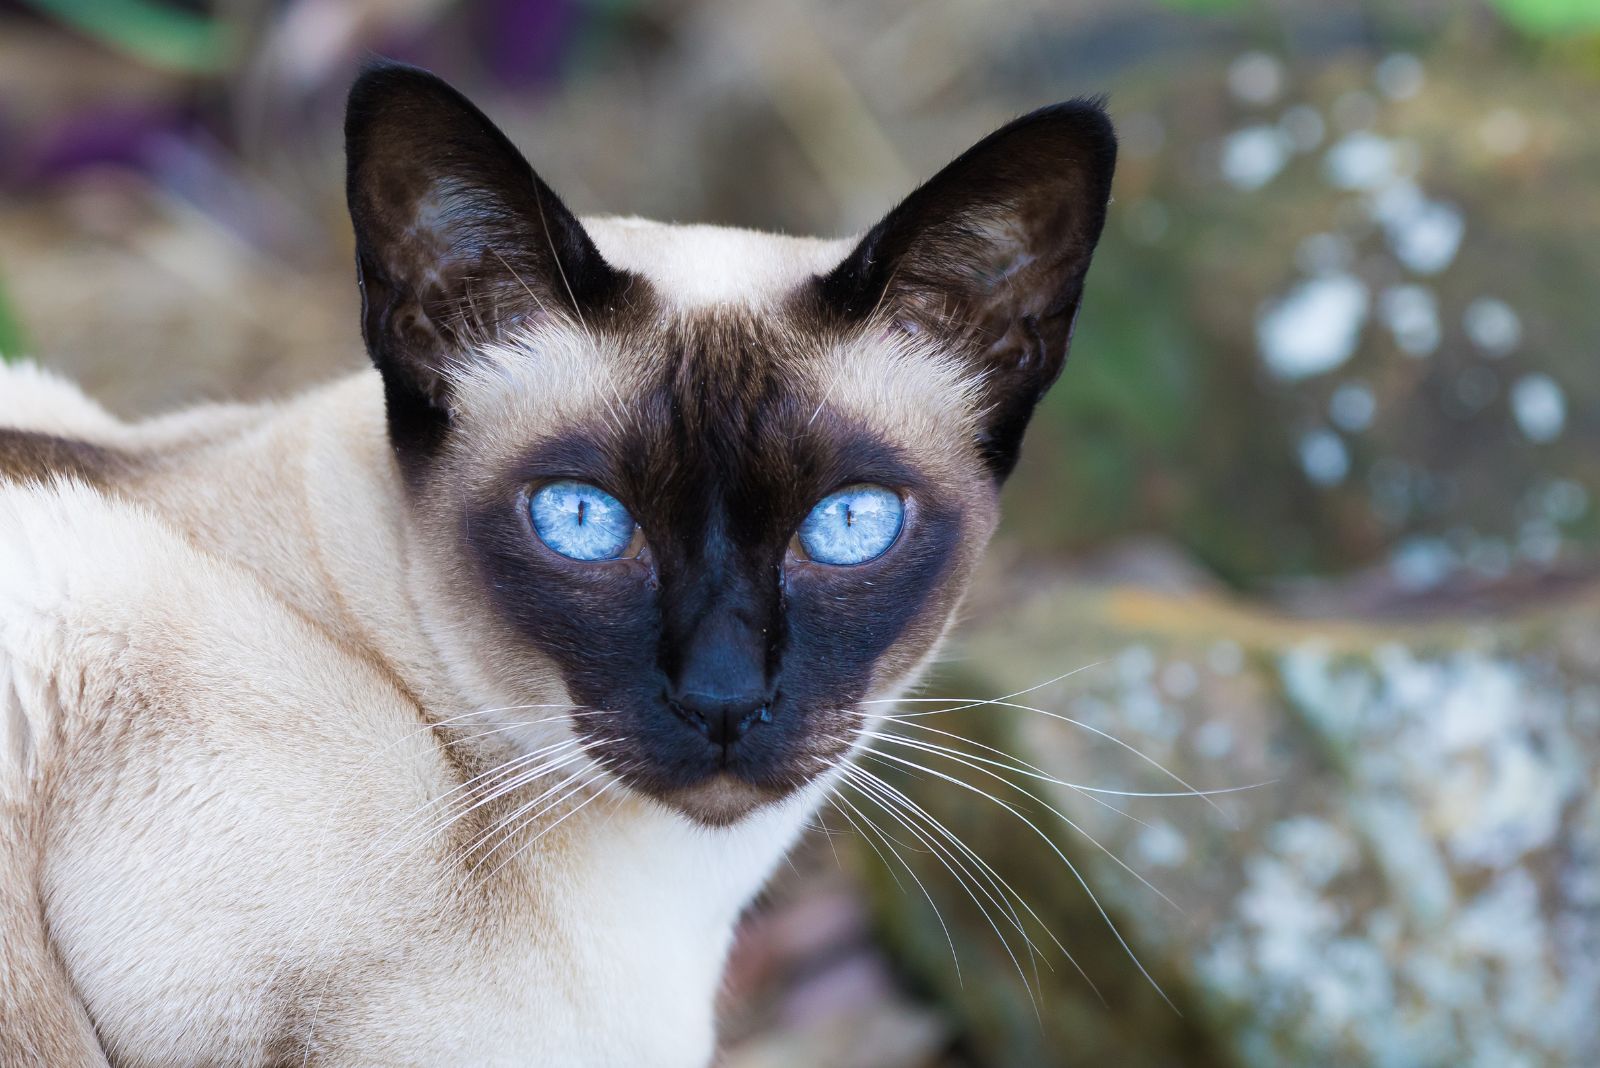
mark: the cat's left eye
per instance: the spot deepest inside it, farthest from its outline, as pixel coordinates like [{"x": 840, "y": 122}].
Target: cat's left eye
[
  {"x": 852, "y": 526},
  {"x": 580, "y": 521}
]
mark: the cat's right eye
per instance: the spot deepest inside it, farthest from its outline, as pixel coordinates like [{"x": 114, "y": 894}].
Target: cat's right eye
[
  {"x": 852, "y": 526},
  {"x": 580, "y": 521}
]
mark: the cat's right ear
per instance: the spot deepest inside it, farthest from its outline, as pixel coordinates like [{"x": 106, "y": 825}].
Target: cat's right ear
[
  {"x": 990, "y": 254},
  {"x": 457, "y": 241}
]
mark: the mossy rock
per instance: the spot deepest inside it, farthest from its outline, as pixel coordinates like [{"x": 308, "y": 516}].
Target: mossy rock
[{"x": 1416, "y": 883}]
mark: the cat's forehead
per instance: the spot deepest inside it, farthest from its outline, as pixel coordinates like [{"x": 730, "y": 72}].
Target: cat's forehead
[
  {"x": 751, "y": 373},
  {"x": 695, "y": 267}
]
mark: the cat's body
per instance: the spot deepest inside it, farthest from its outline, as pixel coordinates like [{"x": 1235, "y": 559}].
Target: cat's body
[{"x": 260, "y": 666}]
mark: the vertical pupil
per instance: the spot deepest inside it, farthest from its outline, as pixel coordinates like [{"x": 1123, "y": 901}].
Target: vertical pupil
[
  {"x": 582, "y": 505},
  {"x": 849, "y": 517}
]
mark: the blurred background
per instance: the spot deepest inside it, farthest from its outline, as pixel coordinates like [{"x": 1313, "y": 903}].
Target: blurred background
[{"x": 1310, "y": 518}]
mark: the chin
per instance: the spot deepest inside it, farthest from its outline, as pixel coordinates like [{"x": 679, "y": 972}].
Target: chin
[
  {"x": 720, "y": 801},
  {"x": 711, "y": 784}
]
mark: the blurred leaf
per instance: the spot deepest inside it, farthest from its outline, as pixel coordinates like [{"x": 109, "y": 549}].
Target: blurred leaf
[
  {"x": 152, "y": 33},
  {"x": 1550, "y": 16},
  {"x": 1204, "y": 7},
  {"x": 12, "y": 342}
]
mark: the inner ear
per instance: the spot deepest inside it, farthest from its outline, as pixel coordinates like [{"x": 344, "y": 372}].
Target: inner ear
[
  {"x": 990, "y": 255},
  {"x": 458, "y": 241}
]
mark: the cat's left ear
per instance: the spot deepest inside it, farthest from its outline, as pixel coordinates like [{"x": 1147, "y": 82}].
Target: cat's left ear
[
  {"x": 458, "y": 242},
  {"x": 991, "y": 254}
]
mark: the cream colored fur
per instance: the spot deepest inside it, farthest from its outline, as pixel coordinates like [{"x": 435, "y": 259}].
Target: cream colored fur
[{"x": 216, "y": 685}]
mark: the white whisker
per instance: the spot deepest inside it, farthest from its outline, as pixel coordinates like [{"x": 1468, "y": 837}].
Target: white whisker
[
  {"x": 835, "y": 799},
  {"x": 1093, "y": 898},
  {"x": 879, "y": 783},
  {"x": 951, "y": 754},
  {"x": 559, "y": 820},
  {"x": 959, "y": 871},
  {"x": 975, "y": 702},
  {"x": 1168, "y": 772}
]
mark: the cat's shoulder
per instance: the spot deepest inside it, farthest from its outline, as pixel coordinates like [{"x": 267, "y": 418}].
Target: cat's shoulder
[
  {"x": 36, "y": 401},
  {"x": 51, "y": 428},
  {"x": 99, "y": 593},
  {"x": 79, "y": 572},
  {"x": 138, "y": 671}
]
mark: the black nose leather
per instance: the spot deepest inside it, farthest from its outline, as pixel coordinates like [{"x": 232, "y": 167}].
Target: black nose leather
[{"x": 723, "y": 720}]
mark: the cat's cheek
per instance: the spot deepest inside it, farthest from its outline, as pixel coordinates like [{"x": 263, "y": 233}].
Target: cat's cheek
[{"x": 851, "y": 627}]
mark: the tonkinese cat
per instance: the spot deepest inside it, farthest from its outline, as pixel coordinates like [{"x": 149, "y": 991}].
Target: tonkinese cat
[{"x": 451, "y": 713}]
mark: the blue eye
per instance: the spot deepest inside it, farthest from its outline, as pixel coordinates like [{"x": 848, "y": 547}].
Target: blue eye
[
  {"x": 579, "y": 521},
  {"x": 852, "y": 526}
]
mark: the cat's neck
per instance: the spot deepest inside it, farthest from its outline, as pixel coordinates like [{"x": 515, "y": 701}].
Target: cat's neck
[
  {"x": 306, "y": 496},
  {"x": 353, "y": 499}
]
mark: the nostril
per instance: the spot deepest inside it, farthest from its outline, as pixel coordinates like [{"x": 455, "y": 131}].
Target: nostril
[
  {"x": 692, "y": 716},
  {"x": 723, "y": 721},
  {"x": 762, "y": 714}
]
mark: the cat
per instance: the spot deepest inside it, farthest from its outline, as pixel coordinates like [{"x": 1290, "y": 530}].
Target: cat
[{"x": 452, "y": 712}]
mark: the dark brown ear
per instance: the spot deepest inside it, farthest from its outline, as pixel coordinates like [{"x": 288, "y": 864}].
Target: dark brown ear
[
  {"x": 457, "y": 241},
  {"x": 992, "y": 253}
]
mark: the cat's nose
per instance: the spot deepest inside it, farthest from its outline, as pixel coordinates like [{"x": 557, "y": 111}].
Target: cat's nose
[{"x": 723, "y": 719}]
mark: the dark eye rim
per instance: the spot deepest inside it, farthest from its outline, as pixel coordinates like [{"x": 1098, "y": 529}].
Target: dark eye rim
[
  {"x": 908, "y": 507},
  {"x": 635, "y": 550}
]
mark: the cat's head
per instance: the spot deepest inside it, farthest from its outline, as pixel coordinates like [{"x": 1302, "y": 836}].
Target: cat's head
[{"x": 712, "y": 489}]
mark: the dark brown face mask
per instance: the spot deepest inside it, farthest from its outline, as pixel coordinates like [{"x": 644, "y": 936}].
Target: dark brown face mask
[{"x": 718, "y": 651}]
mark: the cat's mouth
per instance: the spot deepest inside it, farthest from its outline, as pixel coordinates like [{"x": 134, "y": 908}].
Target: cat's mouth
[
  {"x": 710, "y": 780},
  {"x": 721, "y": 800}
]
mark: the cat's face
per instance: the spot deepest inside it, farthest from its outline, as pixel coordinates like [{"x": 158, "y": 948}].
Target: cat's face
[{"x": 711, "y": 489}]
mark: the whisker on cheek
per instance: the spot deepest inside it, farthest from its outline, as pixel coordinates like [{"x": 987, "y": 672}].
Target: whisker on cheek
[
  {"x": 1005, "y": 911},
  {"x": 986, "y": 892}
]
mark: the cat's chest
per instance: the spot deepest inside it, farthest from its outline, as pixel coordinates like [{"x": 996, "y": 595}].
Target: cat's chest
[
  {"x": 615, "y": 961},
  {"x": 597, "y": 962},
  {"x": 614, "y": 993},
  {"x": 591, "y": 969},
  {"x": 610, "y": 952}
]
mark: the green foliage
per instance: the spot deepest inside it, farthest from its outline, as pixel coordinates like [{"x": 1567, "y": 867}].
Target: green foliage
[
  {"x": 160, "y": 35},
  {"x": 1551, "y": 17},
  {"x": 12, "y": 342},
  {"x": 1204, "y": 7}
]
